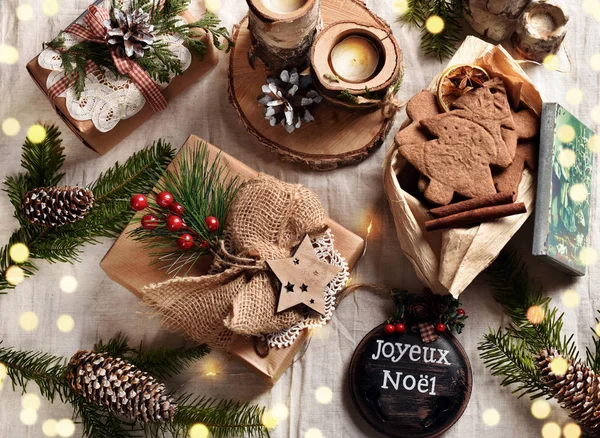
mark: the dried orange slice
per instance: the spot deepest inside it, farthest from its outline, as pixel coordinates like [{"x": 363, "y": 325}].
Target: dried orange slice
[{"x": 458, "y": 80}]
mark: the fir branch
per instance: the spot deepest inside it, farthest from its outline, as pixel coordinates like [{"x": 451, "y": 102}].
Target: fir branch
[
  {"x": 593, "y": 356},
  {"x": 43, "y": 161},
  {"x": 102, "y": 423}
]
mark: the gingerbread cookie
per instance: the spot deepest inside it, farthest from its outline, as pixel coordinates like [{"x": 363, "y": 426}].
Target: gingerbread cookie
[
  {"x": 508, "y": 180},
  {"x": 527, "y": 124},
  {"x": 422, "y": 106}
]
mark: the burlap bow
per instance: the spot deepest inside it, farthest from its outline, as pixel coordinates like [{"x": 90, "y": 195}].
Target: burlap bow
[
  {"x": 267, "y": 219},
  {"x": 96, "y": 32}
]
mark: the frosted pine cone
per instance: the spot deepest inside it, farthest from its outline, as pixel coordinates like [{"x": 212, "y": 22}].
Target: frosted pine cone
[
  {"x": 119, "y": 386},
  {"x": 131, "y": 32},
  {"x": 56, "y": 206}
]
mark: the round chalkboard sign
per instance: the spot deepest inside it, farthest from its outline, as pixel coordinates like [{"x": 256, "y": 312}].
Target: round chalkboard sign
[{"x": 405, "y": 388}]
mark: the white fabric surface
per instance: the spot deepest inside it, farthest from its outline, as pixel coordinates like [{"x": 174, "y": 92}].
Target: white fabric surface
[{"x": 351, "y": 194}]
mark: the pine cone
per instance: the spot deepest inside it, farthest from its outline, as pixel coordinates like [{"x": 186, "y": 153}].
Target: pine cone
[
  {"x": 578, "y": 390},
  {"x": 286, "y": 99},
  {"x": 119, "y": 386},
  {"x": 56, "y": 206},
  {"x": 132, "y": 32}
]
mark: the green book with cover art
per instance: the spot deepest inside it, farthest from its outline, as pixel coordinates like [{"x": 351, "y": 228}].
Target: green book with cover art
[{"x": 564, "y": 189}]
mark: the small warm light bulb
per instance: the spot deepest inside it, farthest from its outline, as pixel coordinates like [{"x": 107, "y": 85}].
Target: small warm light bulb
[
  {"x": 8, "y": 54},
  {"x": 24, "y": 12},
  {"x": 324, "y": 395},
  {"x": 551, "y": 62},
  {"x": 596, "y": 114},
  {"x": 212, "y": 5},
  {"x": 36, "y": 133},
  {"x": 588, "y": 256},
  {"x": 11, "y": 126},
  {"x": 313, "y": 432},
  {"x": 571, "y": 430},
  {"x": 19, "y": 253},
  {"x": 570, "y": 299},
  {"x": 491, "y": 417},
  {"x": 590, "y": 6},
  {"x": 28, "y": 321},
  {"x": 574, "y": 96},
  {"x": 50, "y": 7},
  {"x": 559, "y": 366},
  {"x": 540, "y": 409},
  {"x": 68, "y": 284},
  {"x": 3, "y": 372},
  {"x": 400, "y": 6},
  {"x": 280, "y": 411},
  {"x": 269, "y": 420},
  {"x": 49, "y": 428},
  {"x": 31, "y": 402},
  {"x": 566, "y": 134},
  {"x": 566, "y": 157},
  {"x": 578, "y": 192},
  {"x": 28, "y": 417},
  {"x": 595, "y": 62},
  {"x": 15, "y": 275},
  {"x": 535, "y": 314},
  {"x": 65, "y": 428},
  {"x": 211, "y": 367},
  {"x": 434, "y": 24},
  {"x": 199, "y": 430},
  {"x": 65, "y": 323},
  {"x": 551, "y": 430},
  {"x": 594, "y": 143}
]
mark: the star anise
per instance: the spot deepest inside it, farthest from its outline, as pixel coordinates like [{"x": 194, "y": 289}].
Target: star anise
[{"x": 458, "y": 81}]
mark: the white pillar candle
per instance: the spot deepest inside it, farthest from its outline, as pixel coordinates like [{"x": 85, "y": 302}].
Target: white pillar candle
[
  {"x": 354, "y": 59},
  {"x": 284, "y": 6}
]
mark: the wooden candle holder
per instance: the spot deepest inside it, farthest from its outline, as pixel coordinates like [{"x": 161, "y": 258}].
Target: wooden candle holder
[
  {"x": 355, "y": 95},
  {"x": 540, "y": 30},
  {"x": 282, "y": 40}
]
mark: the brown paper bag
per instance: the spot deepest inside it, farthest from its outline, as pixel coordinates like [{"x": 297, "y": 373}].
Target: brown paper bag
[
  {"x": 448, "y": 261},
  {"x": 128, "y": 263},
  {"x": 102, "y": 142}
]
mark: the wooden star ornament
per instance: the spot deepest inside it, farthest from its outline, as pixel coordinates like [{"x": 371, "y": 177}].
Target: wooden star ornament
[{"x": 303, "y": 278}]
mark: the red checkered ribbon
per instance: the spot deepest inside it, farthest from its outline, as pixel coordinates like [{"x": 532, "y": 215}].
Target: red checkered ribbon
[
  {"x": 427, "y": 331},
  {"x": 96, "y": 32}
]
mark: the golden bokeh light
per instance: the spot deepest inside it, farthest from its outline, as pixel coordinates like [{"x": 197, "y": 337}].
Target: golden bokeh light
[
  {"x": 15, "y": 275},
  {"x": 49, "y": 427},
  {"x": 31, "y": 402},
  {"x": 212, "y": 5},
  {"x": 68, "y": 284},
  {"x": 28, "y": 321},
  {"x": 11, "y": 126},
  {"x": 211, "y": 367},
  {"x": 596, "y": 114},
  {"x": 540, "y": 409},
  {"x": 19, "y": 253},
  {"x": 598, "y": 329},
  {"x": 65, "y": 428},
  {"x": 551, "y": 430},
  {"x": 280, "y": 411},
  {"x": 28, "y": 417},
  {"x": 566, "y": 133},
  {"x": 570, "y": 299},
  {"x": 3, "y": 372},
  {"x": 574, "y": 96},
  {"x": 434, "y": 24},
  {"x": 24, "y": 12},
  {"x": 595, "y": 62},
  {"x": 36, "y": 133},
  {"x": 588, "y": 256},
  {"x": 324, "y": 395},
  {"x": 578, "y": 192},
  {"x": 199, "y": 430},
  {"x": 491, "y": 417},
  {"x": 50, "y": 7},
  {"x": 559, "y": 366},
  {"x": 571, "y": 430},
  {"x": 313, "y": 432},
  {"x": 594, "y": 143},
  {"x": 8, "y": 54},
  {"x": 400, "y": 6},
  {"x": 65, "y": 323},
  {"x": 590, "y": 6},
  {"x": 566, "y": 157},
  {"x": 269, "y": 420},
  {"x": 551, "y": 62},
  {"x": 535, "y": 314}
]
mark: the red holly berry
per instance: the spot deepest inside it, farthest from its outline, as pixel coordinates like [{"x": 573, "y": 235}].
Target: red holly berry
[
  {"x": 205, "y": 245},
  {"x": 185, "y": 241},
  {"x": 177, "y": 208},
  {"x": 461, "y": 312},
  {"x": 400, "y": 328},
  {"x": 149, "y": 222},
  {"x": 389, "y": 329},
  {"x": 440, "y": 328},
  {"x": 173, "y": 223},
  {"x": 138, "y": 202},
  {"x": 212, "y": 223},
  {"x": 164, "y": 199}
]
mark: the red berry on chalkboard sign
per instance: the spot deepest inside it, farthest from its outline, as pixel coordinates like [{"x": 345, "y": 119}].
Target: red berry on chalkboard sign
[
  {"x": 461, "y": 312},
  {"x": 164, "y": 199},
  {"x": 389, "y": 329},
  {"x": 400, "y": 328},
  {"x": 440, "y": 328}
]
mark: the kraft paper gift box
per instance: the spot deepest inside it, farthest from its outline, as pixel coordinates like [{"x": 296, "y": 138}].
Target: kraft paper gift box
[
  {"x": 102, "y": 142},
  {"x": 128, "y": 263}
]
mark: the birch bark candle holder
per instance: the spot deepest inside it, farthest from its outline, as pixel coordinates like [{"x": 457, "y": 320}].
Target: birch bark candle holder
[
  {"x": 282, "y": 31},
  {"x": 354, "y": 65},
  {"x": 540, "y": 30}
]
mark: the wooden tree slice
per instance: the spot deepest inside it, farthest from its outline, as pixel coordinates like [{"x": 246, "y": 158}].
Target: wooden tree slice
[{"x": 337, "y": 137}]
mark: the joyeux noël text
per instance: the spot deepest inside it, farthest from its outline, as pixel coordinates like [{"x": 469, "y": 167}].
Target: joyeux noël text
[{"x": 397, "y": 351}]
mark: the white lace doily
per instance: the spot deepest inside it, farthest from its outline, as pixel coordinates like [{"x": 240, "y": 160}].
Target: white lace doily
[
  {"x": 325, "y": 252},
  {"x": 106, "y": 99}
]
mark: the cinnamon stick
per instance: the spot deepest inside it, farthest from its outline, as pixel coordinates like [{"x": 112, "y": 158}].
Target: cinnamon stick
[
  {"x": 474, "y": 217},
  {"x": 472, "y": 204}
]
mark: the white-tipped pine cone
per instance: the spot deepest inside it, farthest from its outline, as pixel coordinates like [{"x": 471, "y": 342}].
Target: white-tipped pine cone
[{"x": 56, "y": 206}]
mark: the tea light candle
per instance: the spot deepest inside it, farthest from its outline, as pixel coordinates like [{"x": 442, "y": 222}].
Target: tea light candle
[
  {"x": 354, "y": 59},
  {"x": 284, "y": 6}
]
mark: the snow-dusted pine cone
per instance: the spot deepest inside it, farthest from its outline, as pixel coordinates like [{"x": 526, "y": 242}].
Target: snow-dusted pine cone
[
  {"x": 119, "y": 386},
  {"x": 131, "y": 33},
  {"x": 287, "y": 98},
  {"x": 578, "y": 390},
  {"x": 56, "y": 206}
]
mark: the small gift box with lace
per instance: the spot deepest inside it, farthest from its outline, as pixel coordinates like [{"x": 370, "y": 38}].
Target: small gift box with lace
[{"x": 115, "y": 66}]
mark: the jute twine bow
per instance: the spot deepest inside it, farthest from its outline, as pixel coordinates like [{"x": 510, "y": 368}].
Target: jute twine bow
[
  {"x": 96, "y": 32},
  {"x": 389, "y": 104}
]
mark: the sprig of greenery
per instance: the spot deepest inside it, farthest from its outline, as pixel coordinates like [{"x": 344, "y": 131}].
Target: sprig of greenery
[
  {"x": 593, "y": 355},
  {"x": 442, "y": 44},
  {"x": 108, "y": 217}
]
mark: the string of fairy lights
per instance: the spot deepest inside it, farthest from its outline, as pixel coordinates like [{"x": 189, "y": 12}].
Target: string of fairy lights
[{"x": 213, "y": 367}]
